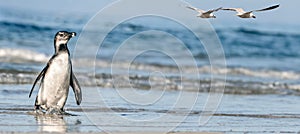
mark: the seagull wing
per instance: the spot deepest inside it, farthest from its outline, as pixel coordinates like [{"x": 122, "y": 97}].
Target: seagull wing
[
  {"x": 213, "y": 10},
  {"x": 268, "y": 8},
  {"x": 196, "y": 9},
  {"x": 238, "y": 10}
]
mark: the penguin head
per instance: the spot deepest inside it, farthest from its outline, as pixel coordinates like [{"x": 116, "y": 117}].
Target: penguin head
[{"x": 62, "y": 37}]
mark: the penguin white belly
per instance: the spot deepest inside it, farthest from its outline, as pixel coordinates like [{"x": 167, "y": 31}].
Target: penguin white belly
[{"x": 55, "y": 86}]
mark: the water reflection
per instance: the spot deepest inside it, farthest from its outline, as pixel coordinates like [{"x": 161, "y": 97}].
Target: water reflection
[{"x": 48, "y": 123}]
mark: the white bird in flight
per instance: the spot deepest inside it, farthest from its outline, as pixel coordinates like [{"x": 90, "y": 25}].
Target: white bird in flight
[
  {"x": 205, "y": 14},
  {"x": 243, "y": 14}
]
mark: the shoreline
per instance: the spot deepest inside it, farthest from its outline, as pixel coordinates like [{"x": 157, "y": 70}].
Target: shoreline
[{"x": 236, "y": 113}]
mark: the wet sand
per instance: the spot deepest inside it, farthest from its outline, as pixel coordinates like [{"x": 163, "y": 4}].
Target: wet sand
[{"x": 236, "y": 113}]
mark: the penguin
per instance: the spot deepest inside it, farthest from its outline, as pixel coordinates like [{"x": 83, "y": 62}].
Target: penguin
[{"x": 56, "y": 78}]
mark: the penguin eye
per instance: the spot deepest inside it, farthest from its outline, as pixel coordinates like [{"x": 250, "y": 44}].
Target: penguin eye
[{"x": 60, "y": 35}]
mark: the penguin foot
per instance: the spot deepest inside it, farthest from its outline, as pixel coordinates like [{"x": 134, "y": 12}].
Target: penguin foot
[
  {"x": 59, "y": 112},
  {"x": 38, "y": 110},
  {"x": 54, "y": 111}
]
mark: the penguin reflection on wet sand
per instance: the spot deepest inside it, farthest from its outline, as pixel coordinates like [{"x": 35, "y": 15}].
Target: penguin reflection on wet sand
[{"x": 56, "y": 78}]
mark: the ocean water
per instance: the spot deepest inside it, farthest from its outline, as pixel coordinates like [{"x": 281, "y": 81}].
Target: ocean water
[
  {"x": 262, "y": 69},
  {"x": 259, "y": 59}
]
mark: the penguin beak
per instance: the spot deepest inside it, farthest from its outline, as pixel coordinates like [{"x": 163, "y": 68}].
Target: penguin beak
[
  {"x": 72, "y": 34},
  {"x": 254, "y": 17}
]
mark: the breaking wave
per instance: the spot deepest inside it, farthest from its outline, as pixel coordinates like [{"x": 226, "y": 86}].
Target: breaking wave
[
  {"x": 239, "y": 80},
  {"x": 21, "y": 56}
]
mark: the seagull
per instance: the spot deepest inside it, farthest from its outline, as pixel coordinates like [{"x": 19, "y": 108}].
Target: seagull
[
  {"x": 204, "y": 14},
  {"x": 243, "y": 14}
]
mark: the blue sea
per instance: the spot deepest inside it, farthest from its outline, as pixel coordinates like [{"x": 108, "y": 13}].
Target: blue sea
[
  {"x": 260, "y": 73},
  {"x": 259, "y": 58}
]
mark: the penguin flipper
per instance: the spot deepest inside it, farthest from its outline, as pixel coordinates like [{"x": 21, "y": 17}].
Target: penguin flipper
[
  {"x": 76, "y": 88},
  {"x": 42, "y": 73}
]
